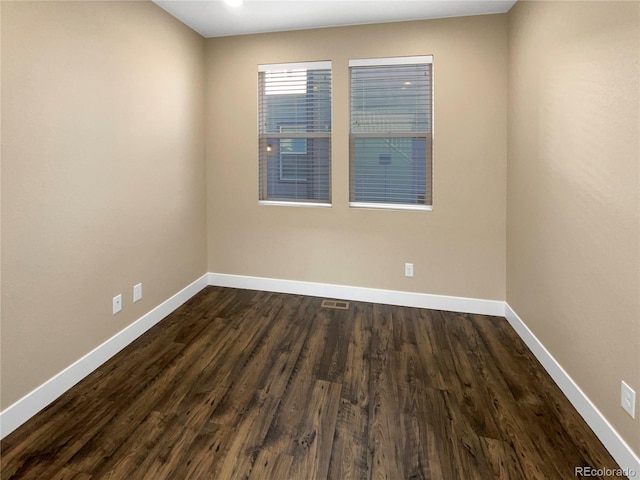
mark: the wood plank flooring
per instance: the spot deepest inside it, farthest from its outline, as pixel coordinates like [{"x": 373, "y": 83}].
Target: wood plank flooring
[{"x": 240, "y": 384}]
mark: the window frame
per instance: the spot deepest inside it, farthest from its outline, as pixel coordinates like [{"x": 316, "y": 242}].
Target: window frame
[
  {"x": 427, "y": 135},
  {"x": 263, "y": 189}
]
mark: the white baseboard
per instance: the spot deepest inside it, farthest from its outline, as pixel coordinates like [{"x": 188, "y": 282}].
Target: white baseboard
[
  {"x": 25, "y": 408},
  {"x": 362, "y": 294},
  {"x": 617, "y": 447},
  {"x": 22, "y": 410}
]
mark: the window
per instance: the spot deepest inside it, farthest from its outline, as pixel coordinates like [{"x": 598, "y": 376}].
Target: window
[
  {"x": 290, "y": 151},
  {"x": 294, "y": 115},
  {"x": 391, "y": 132}
]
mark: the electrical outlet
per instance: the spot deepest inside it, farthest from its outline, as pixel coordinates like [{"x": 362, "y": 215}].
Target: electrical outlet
[
  {"x": 137, "y": 292},
  {"x": 408, "y": 269},
  {"x": 117, "y": 304},
  {"x": 628, "y": 399}
]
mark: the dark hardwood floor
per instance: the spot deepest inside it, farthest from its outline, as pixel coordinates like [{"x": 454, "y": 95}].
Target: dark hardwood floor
[{"x": 240, "y": 384}]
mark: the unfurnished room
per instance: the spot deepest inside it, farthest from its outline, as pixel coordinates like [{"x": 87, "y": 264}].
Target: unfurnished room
[{"x": 320, "y": 239}]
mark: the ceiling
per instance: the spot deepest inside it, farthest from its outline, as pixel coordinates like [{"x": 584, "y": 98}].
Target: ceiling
[{"x": 214, "y": 18}]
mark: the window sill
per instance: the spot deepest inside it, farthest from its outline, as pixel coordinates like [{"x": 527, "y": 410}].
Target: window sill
[
  {"x": 293, "y": 204},
  {"x": 392, "y": 206}
]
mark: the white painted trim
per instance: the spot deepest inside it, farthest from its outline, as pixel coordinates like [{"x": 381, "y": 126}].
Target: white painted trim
[
  {"x": 271, "y": 67},
  {"x": 22, "y": 410},
  {"x": 372, "y": 62},
  {"x": 621, "y": 452},
  {"x": 373, "y": 295},
  {"x": 610, "y": 438},
  {"x": 392, "y": 206},
  {"x": 294, "y": 204}
]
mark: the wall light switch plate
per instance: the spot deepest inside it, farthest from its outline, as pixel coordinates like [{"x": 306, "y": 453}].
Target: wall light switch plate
[
  {"x": 137, "y": 292},
  {"x": 408, "y": 269},
  {"x": 628, "y": 399},
  {"x": 117, "y": 304}
]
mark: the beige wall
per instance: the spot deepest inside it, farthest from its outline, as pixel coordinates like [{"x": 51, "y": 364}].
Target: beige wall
[
  {"x": 573, "y": 250},
  {"x": 102, "y": 175},
  {"x": 458, "y": 249}
]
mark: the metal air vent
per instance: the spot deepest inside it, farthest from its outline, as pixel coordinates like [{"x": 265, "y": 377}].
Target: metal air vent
[{"x": 339, "y": 304}]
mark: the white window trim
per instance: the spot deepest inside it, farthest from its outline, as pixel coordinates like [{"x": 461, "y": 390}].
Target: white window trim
[
  {"x": 320, "y": 65},
  {"x": 385, "y": 61},
  {"x": 293, "y": 204},
  {"x": 392, "y": 206},
  {"x": 270, "y": 67}
]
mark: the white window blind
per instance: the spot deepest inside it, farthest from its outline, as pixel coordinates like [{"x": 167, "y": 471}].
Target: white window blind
[
  {"x": 294, "y": 115},
  {"x": 391, "y": 132}
]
